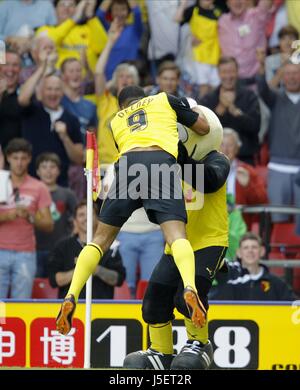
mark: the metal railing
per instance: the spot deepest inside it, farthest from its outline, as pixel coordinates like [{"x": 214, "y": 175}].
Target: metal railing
[
  {"x": 288, "y": 266},
  {"x": 265, "y": 223}
]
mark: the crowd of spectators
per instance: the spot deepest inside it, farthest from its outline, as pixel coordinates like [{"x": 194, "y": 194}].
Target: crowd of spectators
[{"x": 65, "y": 63}]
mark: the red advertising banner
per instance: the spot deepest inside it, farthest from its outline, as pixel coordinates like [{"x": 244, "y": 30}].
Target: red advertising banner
[
  {"x": 13, "y": 343},
  {"x": 48, "y": 348}
]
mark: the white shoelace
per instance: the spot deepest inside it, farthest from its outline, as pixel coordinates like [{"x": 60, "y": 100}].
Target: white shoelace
[{"x": 194, "y": 347}]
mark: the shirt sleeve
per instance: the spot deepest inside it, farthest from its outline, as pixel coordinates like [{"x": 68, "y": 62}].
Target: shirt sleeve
[
  {"x": 72, "y": 202},
  {"x": 57, "y": 33},
  {"x": 94, "y": 119},
  {"x": 138, "y": 23},
  {"x": 44, "y": 197},
  {"x": 187, "y": 15},
  {"x": 73, "y": 128},
  {"x": 101, "y": 15},
  {"x": 58, "y": 260},
  {"x": 185, "y": 115}
]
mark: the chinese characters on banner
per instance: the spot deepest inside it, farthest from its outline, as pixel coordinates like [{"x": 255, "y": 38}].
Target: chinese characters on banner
[
  {"x": 48, "y": 348},
  {"x": 12, "y": 343}
]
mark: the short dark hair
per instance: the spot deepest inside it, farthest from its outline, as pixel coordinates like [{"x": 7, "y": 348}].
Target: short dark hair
[
  {"x": 66, "y": 62},
  {"x": 288, "y": 30},
  {"x": 83, "y": 203},
  {"x": 169, "y": 65},
  {"x": 18, "y": 145},
  {"x": 55, "y": 2},
  {"x": 119, "y": 2},
  {"x": 228, "y": 60},
  {"x": 47, "y": 156},
  {"x": 10, "y": 50},
  {"x": 128, "y": 94},
  {"x": 251, "y": 236}
]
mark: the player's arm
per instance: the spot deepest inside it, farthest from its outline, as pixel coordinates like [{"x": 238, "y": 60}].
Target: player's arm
[
  {"x": 216, "y": 169},
  {"x": 192, "y": 118}
]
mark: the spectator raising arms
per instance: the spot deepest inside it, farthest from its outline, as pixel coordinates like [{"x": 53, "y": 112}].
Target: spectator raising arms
[
  {"x": 10, "y": 110},
  {"x": 46, "y": 124},
  {"x": 38, "y": 45},
  {"x": 241, "y": 31},
  {"x": 127, "y": 44},
  {"x": 107, "y": 103},
  {"x": 84, "y": 110},
  {"x": 203, "y": 20},
  {"x": 283, "y": 138},
  {"x": 78, "y": 34},
  {"x": 275, "y": 62}
]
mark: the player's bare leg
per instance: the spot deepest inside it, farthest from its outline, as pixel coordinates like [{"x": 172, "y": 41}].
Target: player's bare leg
[{"x": 87, "y": 261}]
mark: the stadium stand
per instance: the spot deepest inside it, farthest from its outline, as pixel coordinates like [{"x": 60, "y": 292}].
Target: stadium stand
[{"x": 42, "y": 290}]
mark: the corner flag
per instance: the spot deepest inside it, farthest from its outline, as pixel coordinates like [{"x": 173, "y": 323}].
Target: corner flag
[{"x": 92, "y": 162}]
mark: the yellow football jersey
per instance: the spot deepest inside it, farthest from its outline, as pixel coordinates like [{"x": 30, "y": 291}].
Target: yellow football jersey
[
  {"x": 206, "y": 30},
  {"x": 107, "y": 105},
  {"x": 208, "y": 226},
  {"x": 148, "y": 122}
]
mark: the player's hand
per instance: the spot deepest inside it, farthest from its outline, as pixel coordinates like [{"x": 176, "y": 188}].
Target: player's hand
[{"x": 243, "y": 176}]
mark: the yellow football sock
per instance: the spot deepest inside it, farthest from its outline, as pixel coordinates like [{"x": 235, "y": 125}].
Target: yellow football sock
[
  {"x": 161, "y": 337},
  {"x": 200, "y": 334},
  {"x": 87, "y": 261},
  {"x": 184, "y": 258}
]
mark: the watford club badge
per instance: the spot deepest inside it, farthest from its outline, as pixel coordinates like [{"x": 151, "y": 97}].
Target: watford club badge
[{"x": 265, "y": 286}]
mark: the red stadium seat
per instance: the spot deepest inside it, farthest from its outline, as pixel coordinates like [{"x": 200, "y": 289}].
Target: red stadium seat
[
  {"x": 141, "y": 289},
  {"x": 284, "y": 239},
  {"x": 279, "y": 271},
  {"x": 296, "y": 278},
  {"x": 42, "y": 290},
  {"x": 255, "y": 227},
  {"x": 122, "y": 292}
]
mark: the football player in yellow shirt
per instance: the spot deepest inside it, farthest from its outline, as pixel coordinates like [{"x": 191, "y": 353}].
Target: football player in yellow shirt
[
  {"x": 145, "y": 131},
  {"x": 207, "y": 231}
]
